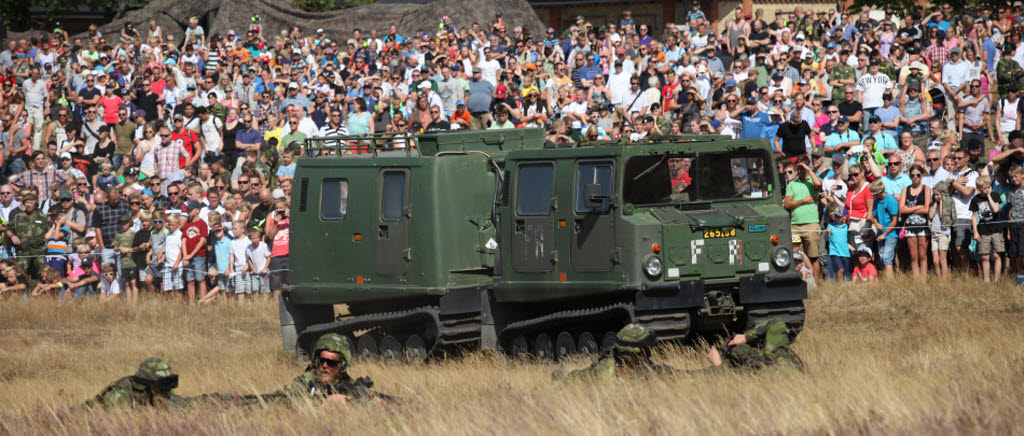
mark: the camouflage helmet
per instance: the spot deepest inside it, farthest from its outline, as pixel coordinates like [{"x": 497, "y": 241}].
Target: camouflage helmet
[
  {"x": 156, "y": 373},
  {"x": 633, "y": 338},
  {"x": 334, "y": 343}
]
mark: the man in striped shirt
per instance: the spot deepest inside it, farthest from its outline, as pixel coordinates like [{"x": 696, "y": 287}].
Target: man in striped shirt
[{"x": 334, "y": 127}]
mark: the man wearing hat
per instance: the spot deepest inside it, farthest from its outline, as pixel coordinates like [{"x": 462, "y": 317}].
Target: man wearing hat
[
  {"x": 27, "y": 231},
  {"x": 478, "y": 103},
  {"x": 842, "y": 138},
  {"x": 956, "y": 77},
  {"x": 754, "y": 121}
]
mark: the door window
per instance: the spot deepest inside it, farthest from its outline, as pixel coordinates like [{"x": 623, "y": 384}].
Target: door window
[
  {"x": 393, "y": 201},
  {"x": 334, "y": 200},
  {"x": 596, "y": 173},
  {"x": 534, "y": 187}
]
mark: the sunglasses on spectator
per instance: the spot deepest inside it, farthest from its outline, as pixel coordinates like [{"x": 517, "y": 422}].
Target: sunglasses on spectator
[
  {"x": 933, "y": 159},
  {"x": 82, "y": 184},
  {"x": 915, "y": 176},
  {"x": 172, "y": 192},
  {"x": 833, "y": 112},
  {"x": 135, "y": 203},
  {"x": 896, "y": 163},
  {"x": 158, "y": 221}
]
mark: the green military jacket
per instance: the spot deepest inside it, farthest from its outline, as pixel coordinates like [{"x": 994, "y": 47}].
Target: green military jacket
[
  {"x": 1008, "y": 71},
  {"x": 307, "y": 385},
  {"x": 125, "y": 239},
  {"x": 840, "y": 72},
  {"x": 607, "y": 368},
  {"x": 125, "y": 393},
  {"x": 31, "y": 229},
  {"x": 767, "y": 345}
]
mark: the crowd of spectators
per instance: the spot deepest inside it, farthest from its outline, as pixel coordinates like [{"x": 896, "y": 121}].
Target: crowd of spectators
[{"x": 140, "y": 161}]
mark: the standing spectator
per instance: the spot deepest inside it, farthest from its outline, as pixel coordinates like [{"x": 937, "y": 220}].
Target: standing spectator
[
  {"x": 793, "y": 135},
  {"x": 870, "y": 89},
  {"x": 962, "y": 183},
  {"x": 35, "y": 89},
  {"x": 955, "y": 75},
  {"x": 987, "y": 233},
  {"x": 122, "y": 245},
  {"x": 754, "y": 121},
  {"x": 41, "y": 175},
  {"x": 885, "y": 211},
  {"x": 277, "y": 231},
  {"x": 838, "y": 245},
  {"x": 27, "y": 232},
  {"x": 105, "y": 217},
  {"x": 914, "y": 204},
  {"x": 172, "y": 258},
  {"x": 974, "y": 122},
  {"x": 802, "y": 187},
  {"x": 170, "y": 152},
  {"x": 194, "y": 233},
  {"x": 479, "y": 102}
]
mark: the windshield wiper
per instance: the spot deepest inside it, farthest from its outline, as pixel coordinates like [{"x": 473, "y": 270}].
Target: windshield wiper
[{"x": 648, "y": 171}]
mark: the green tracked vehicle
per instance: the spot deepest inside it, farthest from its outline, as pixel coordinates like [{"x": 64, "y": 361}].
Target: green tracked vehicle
[{"x": 496, "y": 240}]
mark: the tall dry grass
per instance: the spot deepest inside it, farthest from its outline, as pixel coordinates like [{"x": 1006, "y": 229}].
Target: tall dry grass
[{"x": 892, "y": 358}]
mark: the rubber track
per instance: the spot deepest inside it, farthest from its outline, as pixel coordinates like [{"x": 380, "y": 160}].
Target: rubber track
[
  {"x": 561, "y": 318},
  {"x": 371, "y": 321}
]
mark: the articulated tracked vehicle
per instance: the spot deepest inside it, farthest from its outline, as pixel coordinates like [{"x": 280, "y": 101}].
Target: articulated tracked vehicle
[{"x": 497, "y": 240}]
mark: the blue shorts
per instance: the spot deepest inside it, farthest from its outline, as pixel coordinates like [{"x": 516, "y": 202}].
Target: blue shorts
[
  {"x": 887, "y": 250},
  {"x": 57, "y": 263},
  {"x": 222, "y": 282},
  {"x": 836, "y": 263},
  {"x": 260, "y": 283},
  {"x": 195, "y": 271},
  {"x": 241, "y": 283}
]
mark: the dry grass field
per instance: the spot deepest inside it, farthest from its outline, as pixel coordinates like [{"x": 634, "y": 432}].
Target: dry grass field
[{"x": 934, "y": 358}]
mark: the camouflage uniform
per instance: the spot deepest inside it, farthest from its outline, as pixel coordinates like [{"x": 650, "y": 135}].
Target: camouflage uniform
[
  {"x": 767, "y": 345},
  {"x": 889, "y": 69},
  {"x": 31, "y": 229},
  {"x": 152, "y": 385},
  {"x": 308, "y": 386},
  {"x": 841, "y": 71},
  {"x": 631, "y": 355},
  {"x": 1008, "y": 72}
]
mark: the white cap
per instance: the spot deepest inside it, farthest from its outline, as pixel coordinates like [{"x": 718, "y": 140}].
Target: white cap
[
  {"x": 293, "y": 85},
  {"x": 278, "y": 193},
  {"x": 424, "y": 85}
]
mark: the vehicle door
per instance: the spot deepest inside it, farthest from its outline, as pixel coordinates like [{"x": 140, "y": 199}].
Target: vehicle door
[
  {"x": 533, "y": 226},
  {"x": 391, "y": 248},
  {"x": 593, "y": 232}
]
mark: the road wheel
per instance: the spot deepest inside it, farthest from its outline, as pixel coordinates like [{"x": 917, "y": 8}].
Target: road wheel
[
  {"x": 366, "y": 347},
  {"x": 415, "y": 349},
  {"x": 519, "y": 348},
  {"x": 543, "y": 348},
  {"x": 586, "y": 344},
  {"x": 607, "y": 341},
  {"x": 565, "y": 346},
  {"x": 390, "y": 348}
]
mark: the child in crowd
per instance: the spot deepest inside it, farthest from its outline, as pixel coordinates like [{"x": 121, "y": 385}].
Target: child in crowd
[
  {"x": 257, "y": 255},
  {"x": 140, "y": 251},
  {"x": 838, "y": 245},
  {"x": 238, "y": 262},
  {"x": 221, "y": 246},
  {"x": 57, "y": 249},
  {"x": 984, "y": 208},
  {"x": 287, "y": 169},
  {"x": 157, "y": 246},
  {"x": 801, "y": 263},
  {"x": 83, "y": 279},
  {"x": 75, "y": 259},
  {"x": 110, "y": 284},
  {"x": 1015, "y": 201},
  {"x": 865, "y": 270},
  {"x": 943, "y": 217},
  {"x": 14, "y": 282},
  {"x": 172, "y": 258},
  {"x": 883, "y": 219},
  {"x": 123, "y": 246},
  {"x": 106, "y": 177},
  {"x": 194, "y": 240},
  {"x": 51, "y": 284}
]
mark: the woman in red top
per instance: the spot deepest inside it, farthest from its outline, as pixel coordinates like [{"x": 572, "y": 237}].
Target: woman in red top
[
  {"x": 859, "y": 202},
  {"x": 110, "y": 103},
  {"x": 277, "y": 231}
]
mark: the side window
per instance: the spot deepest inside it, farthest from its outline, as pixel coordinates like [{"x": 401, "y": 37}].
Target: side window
[
  {"x": 334, "y": 199},
  {"x": 534, "y": 189},
  {"x": 392, "y": 203},
  {"x": 594, "y": 173}
]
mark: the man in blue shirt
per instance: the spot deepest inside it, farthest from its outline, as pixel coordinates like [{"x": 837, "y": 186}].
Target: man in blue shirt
[{"x": 754, "y": 121}]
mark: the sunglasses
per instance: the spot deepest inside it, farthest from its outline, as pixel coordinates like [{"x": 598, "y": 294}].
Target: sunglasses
[
  {"x": 790, "y": 172},
  {"x": 136, "y": 203},
  {"x": 895, "y": 164},
  {"x": 158, "y": 221},
  {"x": 934, "y": 159},
  {"x": 854, "y": 174},
  {"x": 329, "y": 362},
  {"x": 915, "y": 176},
  {"x": 240, "y": 182},
  {"x": 172, "y": 193},
  {"x": 82, "y": 184}
]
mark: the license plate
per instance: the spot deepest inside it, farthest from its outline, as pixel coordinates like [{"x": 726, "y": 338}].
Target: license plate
[{"x": 719, "y": 233}]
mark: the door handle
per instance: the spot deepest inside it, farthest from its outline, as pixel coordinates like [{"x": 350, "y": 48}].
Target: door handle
[
  {"x": 520, "y": 226},
  {"x": 382, "y": 232},
  {"x": 578, "y": 225}
]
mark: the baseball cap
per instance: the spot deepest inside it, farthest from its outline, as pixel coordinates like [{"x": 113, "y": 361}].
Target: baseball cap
[
  {"x": 65, "y": 155},
  {"x": 874, "y": 119},
  {"x": 217, "y": 227},
  {"x": 865, "y": 251},
  {"x": 125, "y": 219},
  {"x": 935, "y": 144},
  {"x": 64, "y": 195},
  {"x": 579, "y": 18},
  {"x": 192, "y": 205},
  {"x": 955, "y": 50},
  {"x": 476, "y": 70},
  {"x": 131, "y": 171},
  {"x": 739, "y": 172},
  {"x": 460, "y": 102},
  {"x": 751, "y": 100},
  {"x": 831, "y": 45},
  {"x": 777, "y": 75},
  {"x": 730, "y": 83},
  {"x": 424, "y": 85},
  {"x": 843, "y": 119},
  {"x": 90, "y": 234},
  {"x": 139, "y": 113},
  {"x": 838, "y": 158},
  {"x": 293, "y": 85},
  {"x": 146, "y": 192},
  {"x": 551, "y": 30}
]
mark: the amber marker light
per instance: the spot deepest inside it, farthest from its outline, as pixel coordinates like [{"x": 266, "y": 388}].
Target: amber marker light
[
  {"x": 656, "y": 247},
  {"x": 775, "y": 239}
]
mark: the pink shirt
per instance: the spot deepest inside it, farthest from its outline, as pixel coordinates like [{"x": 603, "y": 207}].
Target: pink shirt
[
  {"x": 110, "y": 106},
  {"x": 280, "y": 247},
  {"x": 867, "y": 272}
]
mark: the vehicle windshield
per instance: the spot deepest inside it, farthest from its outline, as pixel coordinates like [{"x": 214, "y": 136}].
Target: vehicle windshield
[{"x": 660, "y": 179}]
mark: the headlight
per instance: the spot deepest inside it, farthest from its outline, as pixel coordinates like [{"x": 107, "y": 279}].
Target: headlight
[
  {"x": 653, "y": 267},
  {"x": 781, "y": 257}
]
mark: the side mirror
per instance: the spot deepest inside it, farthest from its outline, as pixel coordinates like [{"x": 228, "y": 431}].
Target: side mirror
[{"x": 593, "y": 196}]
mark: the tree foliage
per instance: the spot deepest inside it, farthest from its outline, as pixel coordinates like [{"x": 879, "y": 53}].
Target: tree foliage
[
  {"x": 17, "y": 13},
  {"x": 328, "y": 5},
  {"x": 904, "y": 7}
]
